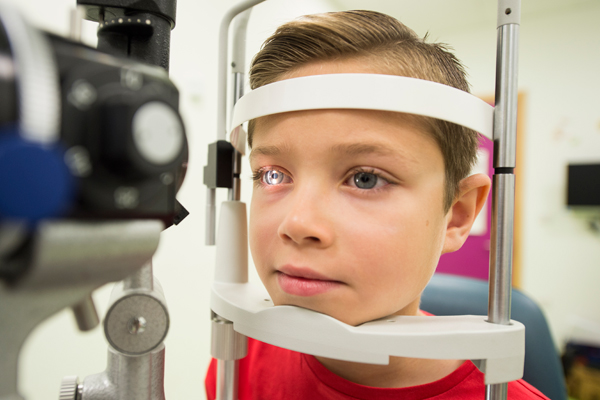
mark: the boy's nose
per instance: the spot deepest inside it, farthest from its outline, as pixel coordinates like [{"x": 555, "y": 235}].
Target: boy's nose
[{"x": 306, "y": 223}]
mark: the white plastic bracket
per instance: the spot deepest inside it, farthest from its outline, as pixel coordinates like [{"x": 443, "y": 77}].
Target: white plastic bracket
[
  {"x": 497, "y": 349},
  {"x": 368, "y": 92},
  {"x": 232, "y": 244}
]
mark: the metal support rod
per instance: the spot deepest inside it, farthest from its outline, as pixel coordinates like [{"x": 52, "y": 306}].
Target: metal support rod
[
  {"x": 126, "y": 377},
  {"x": 140, "y": 279},
  {"x": 227, "y": 378},
  {"x": 501, "y": 251},
  {"x": 238, "y": 92},
  {"x": 242, "y": 12},
  {"x": 238, "y": 86},
  {"x": 211, "y": 216},
  {"x": 235, "y": 193},
  {"x": 505, "y": 113},
  {"x": 228, "y": 347},
  {"x": 503, "y": 196},
  {"x": 501, "y": 262},
  {"x": 223, "y": 52},
  {"x": 85, "y": 314},
  {"x": 497, "y": 391}
]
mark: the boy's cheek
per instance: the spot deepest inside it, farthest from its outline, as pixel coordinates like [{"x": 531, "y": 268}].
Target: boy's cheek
[{"x": 262, "y": 233}]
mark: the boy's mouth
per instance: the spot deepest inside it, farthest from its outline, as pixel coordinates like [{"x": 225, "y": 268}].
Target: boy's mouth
[{"x": 301, "y": 281}]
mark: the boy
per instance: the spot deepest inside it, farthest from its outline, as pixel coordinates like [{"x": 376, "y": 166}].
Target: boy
[{"x": 352, "y": 209}]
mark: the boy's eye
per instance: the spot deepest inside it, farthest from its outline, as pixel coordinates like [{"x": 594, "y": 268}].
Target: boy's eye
[
  {"x": 367, "y": 180},
  {"x": 273, "y": 177}
]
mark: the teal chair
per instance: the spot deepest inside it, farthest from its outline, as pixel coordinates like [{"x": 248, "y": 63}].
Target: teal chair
[{"x": 456, "y": 295}]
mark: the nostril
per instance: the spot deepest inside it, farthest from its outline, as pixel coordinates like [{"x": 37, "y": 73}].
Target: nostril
[{"x": 313, "y": 239}]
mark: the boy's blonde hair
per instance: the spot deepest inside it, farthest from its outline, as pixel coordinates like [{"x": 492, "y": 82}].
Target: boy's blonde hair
[{"x": 390, "y": 47}]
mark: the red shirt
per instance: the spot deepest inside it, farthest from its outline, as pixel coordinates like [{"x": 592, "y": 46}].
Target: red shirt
[{"x": 270, "y": 372}]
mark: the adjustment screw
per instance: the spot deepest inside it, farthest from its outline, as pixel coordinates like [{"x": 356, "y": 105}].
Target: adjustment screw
[
  {"x": 126, "y": 197},
  {"x": 136, "y": 325},
  {"x": 166, "y": 178},
  {"x": 77, "y": 159},
  {"x": 131, "y": 79},
  {"x": 82, "y": 95}
]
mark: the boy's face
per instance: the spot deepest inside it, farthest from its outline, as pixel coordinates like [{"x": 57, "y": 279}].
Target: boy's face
[{"x": 346, "y": 216}]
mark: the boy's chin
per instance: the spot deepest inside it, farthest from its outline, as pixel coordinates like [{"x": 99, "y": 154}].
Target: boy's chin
[
  {"x": 337, "y": 307},
  {"x": 342, "y": 317},
  {"x": 352, "y": 319}
]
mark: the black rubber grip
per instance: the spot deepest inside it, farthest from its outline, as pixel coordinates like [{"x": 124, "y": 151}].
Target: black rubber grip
[{"x": 504, "y": 170}]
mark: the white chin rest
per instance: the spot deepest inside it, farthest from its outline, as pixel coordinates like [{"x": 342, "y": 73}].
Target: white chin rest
[{"x": 367, "y": 92}]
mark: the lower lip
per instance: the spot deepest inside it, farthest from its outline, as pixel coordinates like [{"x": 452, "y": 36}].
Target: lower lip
[{"x": 304, "y": 287}]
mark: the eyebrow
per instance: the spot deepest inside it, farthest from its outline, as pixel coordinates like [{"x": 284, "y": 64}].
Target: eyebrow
[
  {"x": 265, "y": 151},
  {"x": 351, "y": 150},
  {"x": 357, "y": 149}
]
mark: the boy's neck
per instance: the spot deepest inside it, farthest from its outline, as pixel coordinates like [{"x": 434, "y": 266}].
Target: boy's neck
[{"x": 399, "y": 373}]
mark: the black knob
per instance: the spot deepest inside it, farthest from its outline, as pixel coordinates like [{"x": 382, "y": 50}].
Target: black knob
[{"x": 141, "y": 140}]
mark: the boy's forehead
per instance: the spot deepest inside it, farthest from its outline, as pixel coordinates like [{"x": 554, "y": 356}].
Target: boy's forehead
[
  {"x": 366, "y": 125},
  {"x": 339, "y": 133}
]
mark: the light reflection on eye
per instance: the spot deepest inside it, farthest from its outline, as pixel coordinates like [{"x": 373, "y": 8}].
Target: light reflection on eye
[{"x": 273, "y": 177}]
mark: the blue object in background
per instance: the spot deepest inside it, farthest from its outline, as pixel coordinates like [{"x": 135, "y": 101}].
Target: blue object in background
[
  {"x": 457, "y": 295},
  {"x": 35, "y": 182}
]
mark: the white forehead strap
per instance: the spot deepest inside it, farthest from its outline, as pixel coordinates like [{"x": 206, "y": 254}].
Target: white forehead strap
[{"x": 368, "y": 92}]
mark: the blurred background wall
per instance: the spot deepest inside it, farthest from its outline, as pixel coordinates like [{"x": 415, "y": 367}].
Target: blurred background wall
[{"x": 559, "y": 64}]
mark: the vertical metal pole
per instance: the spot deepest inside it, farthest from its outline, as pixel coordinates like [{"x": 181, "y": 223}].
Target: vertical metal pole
[
  {"x": 238, "y": 92},
  {"x": 498, "y": 391},
  {"x": 227, "y": 370},
  {"x": 241, "y": 7},
  {"x": 228, "y": 346},
  {"x": 223, "y": 53},
  {"x": 211, "y": 216},
  {"x": 505, "y": 134},
  {"x": 227, "y": 376}
]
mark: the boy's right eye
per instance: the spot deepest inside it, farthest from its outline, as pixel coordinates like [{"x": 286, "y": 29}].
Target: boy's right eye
[{"x": 271, "y": 176}]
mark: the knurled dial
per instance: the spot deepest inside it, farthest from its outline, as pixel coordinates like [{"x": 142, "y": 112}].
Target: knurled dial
[{"x": 69, "y": 388}]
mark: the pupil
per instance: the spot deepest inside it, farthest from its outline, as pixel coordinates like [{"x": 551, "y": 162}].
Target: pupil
[{"x": 365, "y": 180}]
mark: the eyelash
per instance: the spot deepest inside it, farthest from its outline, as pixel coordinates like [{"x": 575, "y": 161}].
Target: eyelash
[{"x": 258, "y": 174}]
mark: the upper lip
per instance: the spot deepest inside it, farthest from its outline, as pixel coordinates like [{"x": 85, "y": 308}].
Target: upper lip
[{"x": 303, "y": 272}]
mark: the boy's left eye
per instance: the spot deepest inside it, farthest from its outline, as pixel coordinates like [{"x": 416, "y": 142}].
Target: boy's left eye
[{"x": 366, "y": 180}]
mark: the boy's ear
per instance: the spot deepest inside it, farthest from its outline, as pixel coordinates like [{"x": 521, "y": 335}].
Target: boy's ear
[{"x": 473, "y": 192}]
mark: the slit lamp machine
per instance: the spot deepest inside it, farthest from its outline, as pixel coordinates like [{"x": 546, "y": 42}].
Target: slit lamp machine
[{"x": 104, "y": 129}]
